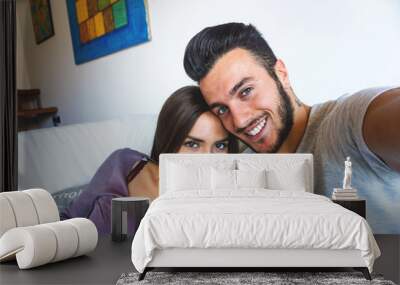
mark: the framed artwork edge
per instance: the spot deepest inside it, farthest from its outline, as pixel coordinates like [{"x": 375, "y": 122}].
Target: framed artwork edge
[
  {"x": 38, "y": 42},
  {"x": 135, "y": 33}
]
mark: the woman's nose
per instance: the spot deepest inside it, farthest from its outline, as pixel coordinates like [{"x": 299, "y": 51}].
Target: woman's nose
[{"x": 206, "y": 149}]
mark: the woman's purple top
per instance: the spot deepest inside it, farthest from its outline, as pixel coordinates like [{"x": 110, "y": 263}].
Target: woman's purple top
[{"x": 110, "y": 181}]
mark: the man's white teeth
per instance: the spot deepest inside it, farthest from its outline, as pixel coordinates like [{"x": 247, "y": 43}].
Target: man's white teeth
[{"x": 257, "y": 128}]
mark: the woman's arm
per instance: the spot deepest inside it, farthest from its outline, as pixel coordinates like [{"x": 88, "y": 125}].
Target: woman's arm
[{"x": 100, "y": 215}]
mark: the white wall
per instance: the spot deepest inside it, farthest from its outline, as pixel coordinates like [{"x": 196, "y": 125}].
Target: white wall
[{"x": 329, "y": 47}]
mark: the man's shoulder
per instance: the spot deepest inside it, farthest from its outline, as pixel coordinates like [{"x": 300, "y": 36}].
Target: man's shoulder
[
  {"x": 363, "y": 96},
  {"x": 346, "y": 105},
  {"x": 340, "y": 119}
]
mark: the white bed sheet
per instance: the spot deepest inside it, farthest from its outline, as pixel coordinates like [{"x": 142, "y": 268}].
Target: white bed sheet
[{"x": 251, "y": 218}]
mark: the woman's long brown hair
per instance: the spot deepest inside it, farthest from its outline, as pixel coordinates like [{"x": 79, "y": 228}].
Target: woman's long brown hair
[{"x": 177, "y": 117}]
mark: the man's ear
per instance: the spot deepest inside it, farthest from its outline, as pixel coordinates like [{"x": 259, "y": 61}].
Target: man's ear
[{"x": 282, "y": 73}]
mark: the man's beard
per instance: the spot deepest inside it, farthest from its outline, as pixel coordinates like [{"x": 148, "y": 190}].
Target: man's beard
[{"x": 286, "y": 112}]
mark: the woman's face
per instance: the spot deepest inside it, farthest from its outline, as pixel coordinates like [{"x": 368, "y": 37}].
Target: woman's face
[{"x": 207, "y": 136}]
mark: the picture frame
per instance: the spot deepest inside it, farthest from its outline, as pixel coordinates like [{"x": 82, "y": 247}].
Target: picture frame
[
  {"x": 102, "y": 27},
  {"x": 42, "y": 20}
]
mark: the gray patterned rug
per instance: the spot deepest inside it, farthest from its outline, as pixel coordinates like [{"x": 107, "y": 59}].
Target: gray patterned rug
[{"x": 228, "y": 278}]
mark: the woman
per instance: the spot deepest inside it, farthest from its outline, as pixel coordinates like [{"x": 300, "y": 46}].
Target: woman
[{"x": 184, "y": 125}]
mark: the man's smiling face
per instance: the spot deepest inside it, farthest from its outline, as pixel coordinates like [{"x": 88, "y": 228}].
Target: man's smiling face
[{"x": 250, "y": 103}]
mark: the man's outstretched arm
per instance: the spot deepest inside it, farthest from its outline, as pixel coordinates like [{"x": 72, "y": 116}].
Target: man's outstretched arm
[{"x": 381, "y": 127}]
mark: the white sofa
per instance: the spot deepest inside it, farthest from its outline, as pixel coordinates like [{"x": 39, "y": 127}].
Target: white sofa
[{"x": 59, "y": 158}]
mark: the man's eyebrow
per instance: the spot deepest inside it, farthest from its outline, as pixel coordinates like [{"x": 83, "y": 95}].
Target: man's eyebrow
[
  {"x": 232, "y": 91},
  {"x": 195, "y": 139},
  {"x": 238, "y": 85}
]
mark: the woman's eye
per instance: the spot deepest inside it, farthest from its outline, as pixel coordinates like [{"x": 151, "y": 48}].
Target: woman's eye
[
  {"x": 222, "y": 110},
  {"x": 191, "y": 144},
  {"x": 245, "y": 92},
  {"x": 221, "y": 146}
]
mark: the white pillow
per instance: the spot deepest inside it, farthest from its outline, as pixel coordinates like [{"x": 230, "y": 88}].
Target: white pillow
[
  {"x": 223, "y": 179},
  {"x": 234, "y": 179},
  {"x": 251, "y": 178},
  {"x": 182, "y": 177},
  {"x": 293, "y": 179}
]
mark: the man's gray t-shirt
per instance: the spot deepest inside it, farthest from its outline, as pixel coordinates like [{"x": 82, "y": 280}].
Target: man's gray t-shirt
[{"x": 333, "y": 132}]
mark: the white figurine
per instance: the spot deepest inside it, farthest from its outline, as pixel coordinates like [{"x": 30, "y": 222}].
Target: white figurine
[{"x": 347, "y": 174}]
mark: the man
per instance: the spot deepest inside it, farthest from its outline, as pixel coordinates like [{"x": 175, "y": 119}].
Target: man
[{"x": 248, "y": 88}]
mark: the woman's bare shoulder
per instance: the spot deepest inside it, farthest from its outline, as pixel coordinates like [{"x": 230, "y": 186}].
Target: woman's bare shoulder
[{"x": 145, "y": 183}]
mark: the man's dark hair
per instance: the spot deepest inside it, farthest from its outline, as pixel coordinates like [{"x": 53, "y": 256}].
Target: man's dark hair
[
  {"x": 176, "y": 119},
  {"x": 205, "y": 48}
]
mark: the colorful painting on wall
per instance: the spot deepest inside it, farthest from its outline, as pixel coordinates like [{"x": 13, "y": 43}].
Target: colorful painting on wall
[
  {"x": 41, "y": 20},
  {"x": 102, "y": 27}
]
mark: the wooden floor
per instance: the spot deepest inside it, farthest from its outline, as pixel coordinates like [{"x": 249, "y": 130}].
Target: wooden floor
[
  {"x": 110, "y": 260},
  {"x": 389, "y": 262}
]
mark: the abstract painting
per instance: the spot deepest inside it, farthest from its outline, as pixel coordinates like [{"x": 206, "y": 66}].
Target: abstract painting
[
  {"x": 102, "y": 27},
  {"x": 41, "y": 20}
]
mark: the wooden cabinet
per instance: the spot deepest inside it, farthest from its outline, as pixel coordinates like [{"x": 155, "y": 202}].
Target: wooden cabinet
[{"x": 357, "y": 206}]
